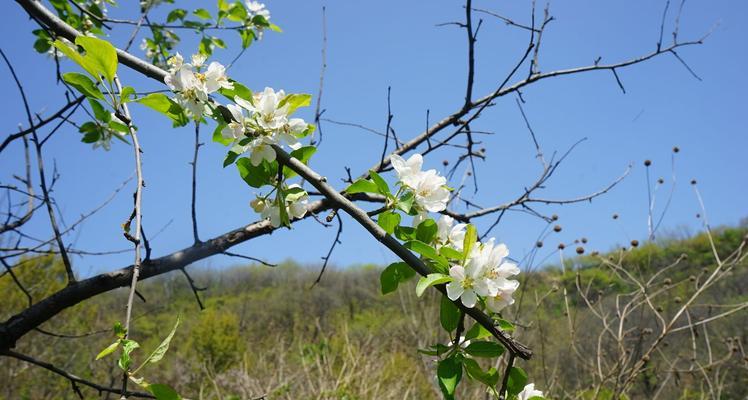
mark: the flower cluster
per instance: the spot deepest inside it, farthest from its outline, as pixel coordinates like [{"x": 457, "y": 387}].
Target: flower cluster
[
  {"x": 255, "y": 8},
  {"x": 296, "y": 202},
  {"x": 193, "y": 83},
  {"x": 253, "y": 125},
  {"x": 485, "y": 273},
  {"x": 430, "y": 190},
  {"x": 268, "y": 123}
]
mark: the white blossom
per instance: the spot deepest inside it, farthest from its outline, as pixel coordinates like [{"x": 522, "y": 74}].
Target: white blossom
[
  {"x": 266, "y": 105},
  {"x": 234, "y": 130},
  {"x": 259, "y": 151},
  {"x": 198, "y": 60},
  {"x": 297, "y": 207},
  {"x": 257, "y": 8},
  {"x": 448, "y": 235},
  {"x": 407, "y": 171},
  {"x": 215, "y": 78},
  {"x": 272, "y": 212},
  {"x": 467, "y": 284},
  {"x": 192, "y": 86},
  {"x": 529, "y": 392},
  {"x": 289, "y": 132},
  {"x": 430, "y": 191}
]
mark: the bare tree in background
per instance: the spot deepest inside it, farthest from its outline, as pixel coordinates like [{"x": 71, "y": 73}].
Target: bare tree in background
[{"x": 29, "y": 190}]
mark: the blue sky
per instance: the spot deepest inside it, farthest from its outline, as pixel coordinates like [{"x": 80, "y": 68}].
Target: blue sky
[{"x": 373, "y": 45}]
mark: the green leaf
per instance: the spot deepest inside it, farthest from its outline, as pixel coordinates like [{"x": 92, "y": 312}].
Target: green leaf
[
  {"x": 100, "y": 112},
  {"x": 158, "y": 354},
  {"x": 231, "y": 156},
  {"x": 302, "y": 154},
  {"x": 426, "y": 231},
  {"x": 127, "y": 347},
  {"x": 239, "y": 90},
  {"x": 294, "y": 194},
  {"x": 281, "y": 200},
  {"x": 127, "y": 94},
  {"x": 428, "y": 252},
  {"x": 505, "y": 325},
  {"x": 275, "y": 28},
  {"x": 451, "y": 253},
  {"x": 449, "y": 314},
  {"x": 237, "y": 12},
  {"x": 449, "y": 373},
  {"x": 405, "y": 202},
  {"x": 218, "y": 42},
  {"x": 471, "y": 237},
  {"x": 430, "y": 280},
  {"x": 477, "y": 331},
  {"x": 489, "y": 378},
  {"x": 163, "y": 392},
  {"x": 247, "y": 36},
  {"x": 295, "y": 101},
  {"x": 122, "y": 128},
  {"x": 119, "y": 330},
  {"x": 83, "y": 84},
  {"x": 405, "y": 233},
  {"x": 202, "y": 13},
  {"x": 255, "y": 176},
  {"x": 362, "y": 186},
  {"x": 517, "y": 380},
  {"x": 76, "y": 57},
  {"x": 206, "y": 46},
  {"x": 109, "y": 350},
  {"x": 176, "y": 14},
  {"x": 381, "y": 184},
  {"x": 100, "y": 55},
  {"x": 394, "y": 275},
  {"x": 218, "y": 137},
  {"x": 166, "y": 106},
  {"x": 388, "y": 221},
  {"x": 484, "y": 349}
]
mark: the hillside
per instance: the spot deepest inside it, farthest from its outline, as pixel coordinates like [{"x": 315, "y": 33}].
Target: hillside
[{"x": 267, "y": 332}]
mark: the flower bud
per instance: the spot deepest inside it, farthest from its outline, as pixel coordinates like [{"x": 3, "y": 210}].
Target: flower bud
[
  {"x": 258, "y": 204},
  {"x": 647, "y": 163}
]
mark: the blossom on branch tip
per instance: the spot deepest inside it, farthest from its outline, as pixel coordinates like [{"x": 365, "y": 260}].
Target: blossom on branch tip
[
  {"x": 431, "y": 192},
  {"x": 257, "y": 8},
  {"x": 529, "y": 392},
  {"x": 191, "y": 85},
  {"x": 448, "y": 235},
  {"x": 467, "y": 284}
]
